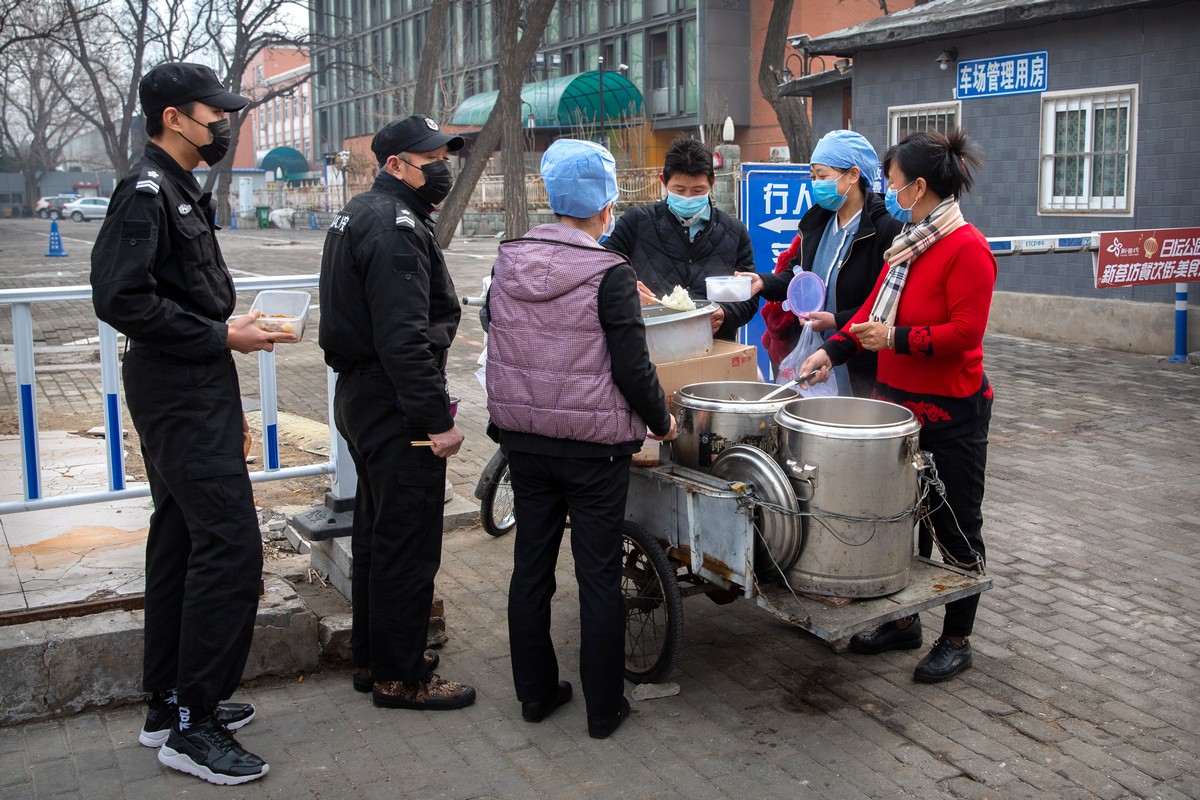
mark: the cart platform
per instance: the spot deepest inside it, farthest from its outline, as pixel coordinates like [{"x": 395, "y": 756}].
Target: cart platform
[{"x": 930, "y": 584}]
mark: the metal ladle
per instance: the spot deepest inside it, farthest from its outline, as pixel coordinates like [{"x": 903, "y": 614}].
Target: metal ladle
[{"x": 790, "y": 384}]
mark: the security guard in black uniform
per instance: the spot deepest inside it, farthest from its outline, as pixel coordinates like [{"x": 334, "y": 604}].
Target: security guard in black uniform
[
  {"x": 159, "y": 278},
  {"x": 389, "y": 313}
]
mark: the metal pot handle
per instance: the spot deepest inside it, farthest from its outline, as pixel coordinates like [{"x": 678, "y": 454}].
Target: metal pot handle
[{"x": 806, "y": 474}]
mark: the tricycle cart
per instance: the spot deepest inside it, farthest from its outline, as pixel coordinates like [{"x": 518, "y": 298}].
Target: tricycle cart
[{"x": 733, "y": 531}]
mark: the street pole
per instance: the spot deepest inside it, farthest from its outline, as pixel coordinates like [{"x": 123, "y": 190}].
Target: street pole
[{"x": 600, "y": 115}]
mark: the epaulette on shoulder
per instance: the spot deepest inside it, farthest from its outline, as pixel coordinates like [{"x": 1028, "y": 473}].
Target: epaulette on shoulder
[{"x": 149, "y": 179}]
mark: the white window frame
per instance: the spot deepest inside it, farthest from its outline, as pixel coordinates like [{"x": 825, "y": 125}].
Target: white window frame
[
  {"x": 895, "y": 113},
  {"x": 1087, "y": 100}
]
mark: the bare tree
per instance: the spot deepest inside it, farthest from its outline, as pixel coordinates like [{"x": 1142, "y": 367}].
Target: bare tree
[
  {"x": 23, "y": 21},
  {"x": 35, "y": 123},
  {"x": 113, "y": 49},
  {"x": 431, "y": 57},
  {"x": 503, "y": 122},
  {"x": 237, "y": 31},
  {"x": 790, "y": 111}
]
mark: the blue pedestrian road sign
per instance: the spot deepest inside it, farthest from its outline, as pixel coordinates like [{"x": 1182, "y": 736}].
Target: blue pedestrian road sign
[{"x": 774, "y": 196}]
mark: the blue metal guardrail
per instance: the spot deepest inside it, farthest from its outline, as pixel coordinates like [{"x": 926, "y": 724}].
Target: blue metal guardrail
[{"x": 23, "y": 300}]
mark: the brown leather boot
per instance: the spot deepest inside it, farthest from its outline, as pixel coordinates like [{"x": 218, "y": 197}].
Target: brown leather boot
[{"x": 431, "y": 693}]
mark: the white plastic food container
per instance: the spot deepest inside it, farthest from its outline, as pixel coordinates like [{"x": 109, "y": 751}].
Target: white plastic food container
[
  {"x": 282, "y": 311},
  {"x": 728, "y": 288}
]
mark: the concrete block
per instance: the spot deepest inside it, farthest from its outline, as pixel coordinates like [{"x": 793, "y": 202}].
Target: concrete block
[
  {"x": 60, "y": 667},
  {"x": 285, "y": 634},
  {"x": 333, "y": 632}
]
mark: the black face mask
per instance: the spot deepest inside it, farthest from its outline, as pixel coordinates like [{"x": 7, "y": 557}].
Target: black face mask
[
  {"x": 221, "y": 132},
  {"x": 438, "y": 181}
]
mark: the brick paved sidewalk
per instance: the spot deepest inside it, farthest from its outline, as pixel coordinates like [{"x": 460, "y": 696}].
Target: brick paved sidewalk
[{"x": 1085, "y": 684}]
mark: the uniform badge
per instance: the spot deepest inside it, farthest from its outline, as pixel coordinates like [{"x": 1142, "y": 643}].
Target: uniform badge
[
  {"x": 404, "y": 218},
  {"x": 185, "y": 209},
  {"x": 433, "y": 126},
  {"x": 339, "y": 223},
  {"x": 151, "y": 174}
]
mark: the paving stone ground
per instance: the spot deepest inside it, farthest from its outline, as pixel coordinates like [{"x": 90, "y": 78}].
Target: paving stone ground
[{"x": 1085, "y": 682}]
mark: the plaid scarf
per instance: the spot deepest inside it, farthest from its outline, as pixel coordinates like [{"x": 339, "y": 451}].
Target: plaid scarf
[{"x": 905, "y": 249}]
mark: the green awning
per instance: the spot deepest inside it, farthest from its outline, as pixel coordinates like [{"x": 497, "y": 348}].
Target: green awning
[
  {"x": 563, "y": 102},
  {"x": 289, "y": 160}
]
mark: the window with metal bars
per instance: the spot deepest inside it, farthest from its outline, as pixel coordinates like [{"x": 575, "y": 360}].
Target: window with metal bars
[
  {"x": 1087, "y": 144},
  {"x": 906, "y": 120}
]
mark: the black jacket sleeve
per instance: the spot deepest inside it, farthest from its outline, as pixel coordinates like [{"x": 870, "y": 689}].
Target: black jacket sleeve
[
  {"x": 632, "y": 370},
  {"x": 624, "y": 234},
  {"x": 123, "y": 285},
  {"x": 396, "y": 268},
  {"x": 738, "y": 314}
]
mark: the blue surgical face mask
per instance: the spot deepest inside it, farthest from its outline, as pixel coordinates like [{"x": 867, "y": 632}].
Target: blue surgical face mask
[
  {"x": 826, "y": 194},
  {"x": 612, "y": 224},
  {"x": 686, "y": 207},
  {"x": 893, "y": 205}
]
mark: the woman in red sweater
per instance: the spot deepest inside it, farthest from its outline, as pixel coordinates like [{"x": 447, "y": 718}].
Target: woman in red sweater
[{"x": 926, "y": 318}]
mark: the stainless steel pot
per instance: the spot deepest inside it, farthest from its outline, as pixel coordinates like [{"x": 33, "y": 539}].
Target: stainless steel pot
[
  {"x": 712, "y": 417},
  {"x": 678, "y": 335},
  {"x": 853, "y": 464}
]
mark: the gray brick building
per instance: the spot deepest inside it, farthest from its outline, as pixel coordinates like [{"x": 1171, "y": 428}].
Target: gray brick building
[{"x": 1105, "y": 139}]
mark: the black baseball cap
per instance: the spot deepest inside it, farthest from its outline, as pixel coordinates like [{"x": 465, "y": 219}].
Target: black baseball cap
[
  {"x": 177, "y": 83},
  {"x": 415, "y": 134}
]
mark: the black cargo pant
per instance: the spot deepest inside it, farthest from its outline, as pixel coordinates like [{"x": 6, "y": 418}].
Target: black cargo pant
[
  {"x": 961, "y": 464},
  {"x": 593, "y": 490},
  {"x": 204, "y": 550},
  {"x": 397, "y": 537}
]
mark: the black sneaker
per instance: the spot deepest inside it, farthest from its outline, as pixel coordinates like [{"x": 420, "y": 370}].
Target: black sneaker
[
  {"x": 209, "y": 751},
  {"x": 160, "y": 716}
]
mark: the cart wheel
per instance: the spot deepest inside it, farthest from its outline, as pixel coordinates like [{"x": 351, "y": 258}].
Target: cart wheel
[
  {"x": 496, "y": 510},
  {"x": 653, "y": 607}
]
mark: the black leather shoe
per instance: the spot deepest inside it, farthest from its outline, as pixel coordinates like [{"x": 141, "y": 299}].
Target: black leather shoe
[
  {"x": 538, "y": 710},
  {"x": 887, "y": 637},
  {"x": 602, "y": 729},
  {"x": 364, "y": 681},
  {"x": 943, "y": 662}
]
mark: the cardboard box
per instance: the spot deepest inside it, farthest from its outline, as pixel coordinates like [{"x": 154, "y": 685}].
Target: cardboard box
[{"x": 728, "y": 361}]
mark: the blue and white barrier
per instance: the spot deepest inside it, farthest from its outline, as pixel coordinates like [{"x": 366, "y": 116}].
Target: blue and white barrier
[{"x": 340, "y": 466}]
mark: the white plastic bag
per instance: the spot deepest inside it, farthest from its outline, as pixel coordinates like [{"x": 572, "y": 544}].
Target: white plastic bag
[{"x": 789, "y": 369}]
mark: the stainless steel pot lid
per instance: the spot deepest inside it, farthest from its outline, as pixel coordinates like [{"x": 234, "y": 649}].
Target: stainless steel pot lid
[{"x": 780, "y": 535}]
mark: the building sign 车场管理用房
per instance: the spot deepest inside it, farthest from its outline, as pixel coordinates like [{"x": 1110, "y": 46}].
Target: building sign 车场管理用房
[{"x": 1018, "y": 73}]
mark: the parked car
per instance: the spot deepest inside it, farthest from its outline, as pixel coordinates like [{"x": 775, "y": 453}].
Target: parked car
[
  {"x": 86, "y": 208},
  {"x": 51, "y": 207}
]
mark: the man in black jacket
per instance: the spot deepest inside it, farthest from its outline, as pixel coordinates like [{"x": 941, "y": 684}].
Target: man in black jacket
[
  {"x": 389, "y": 313},
  {"x": 685, "y": 239},
  {"x": 158, "y": 277}
]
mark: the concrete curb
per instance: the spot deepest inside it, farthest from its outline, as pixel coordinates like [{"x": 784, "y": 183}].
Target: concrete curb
[{"x": 61, "y": 667}]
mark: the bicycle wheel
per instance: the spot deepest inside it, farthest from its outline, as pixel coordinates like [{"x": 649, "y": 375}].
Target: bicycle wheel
[
  {"x": 653, "y": 607},
  {"x": 496, "y": 511}
]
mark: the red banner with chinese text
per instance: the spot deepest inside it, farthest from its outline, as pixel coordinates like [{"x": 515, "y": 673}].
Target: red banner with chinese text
[{"x": 1137, "y": 258}]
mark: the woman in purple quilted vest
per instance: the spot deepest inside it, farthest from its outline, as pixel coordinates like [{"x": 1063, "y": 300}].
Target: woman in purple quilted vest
[{"x": 572, "y": 390}]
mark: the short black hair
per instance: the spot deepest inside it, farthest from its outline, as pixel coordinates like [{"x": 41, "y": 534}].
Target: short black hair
[
  {"x": 690, "y": 157},
  {"x": 944, "y": 160},
  {"x": 154, "y": 123}
]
